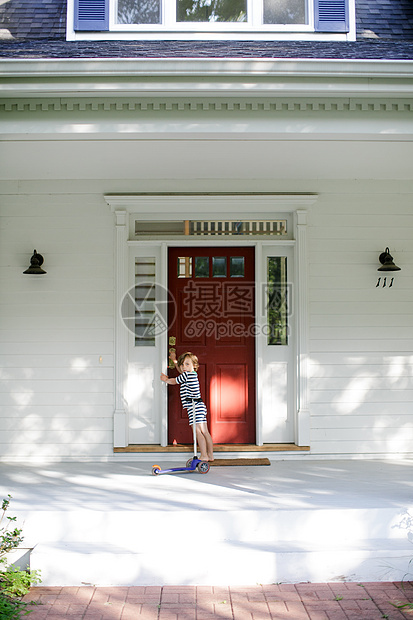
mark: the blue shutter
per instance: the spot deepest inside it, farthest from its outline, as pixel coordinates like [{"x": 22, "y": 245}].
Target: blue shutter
[
  {"x": 331, "y": 16},
  {"x": 91, "y": 14}
]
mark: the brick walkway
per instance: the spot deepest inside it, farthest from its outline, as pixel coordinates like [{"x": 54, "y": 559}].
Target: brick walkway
[{"x": 304, "y": 601}]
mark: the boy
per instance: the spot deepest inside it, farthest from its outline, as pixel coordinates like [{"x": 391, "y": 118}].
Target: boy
[{"x": 187, "y": 365}]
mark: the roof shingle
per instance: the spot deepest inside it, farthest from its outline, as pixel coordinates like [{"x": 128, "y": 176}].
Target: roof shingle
[
  {"x": 37, "y": 28},
  {"x": 385, "y": 19},
  {"x": 33, "y": 19},
  {"x": 372, "y": 49}
]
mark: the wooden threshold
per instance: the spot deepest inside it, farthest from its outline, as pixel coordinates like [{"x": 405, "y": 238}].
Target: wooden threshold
[{"x": 267, "y": 447}]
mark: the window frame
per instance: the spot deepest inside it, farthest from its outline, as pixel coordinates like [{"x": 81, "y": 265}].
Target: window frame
[
  {"x": 255, "y": 15},
  {"x": 328, "y": 20}
]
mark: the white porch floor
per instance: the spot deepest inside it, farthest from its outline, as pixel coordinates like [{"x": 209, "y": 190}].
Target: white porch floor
[{"x": 301, "y": 520}]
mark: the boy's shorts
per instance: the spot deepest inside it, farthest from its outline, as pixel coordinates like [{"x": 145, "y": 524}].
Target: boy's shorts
[{"x": 200, "y": 413}]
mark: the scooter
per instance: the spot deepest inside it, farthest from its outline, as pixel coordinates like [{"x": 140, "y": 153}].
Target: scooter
[{"x": 194, "y": 464}]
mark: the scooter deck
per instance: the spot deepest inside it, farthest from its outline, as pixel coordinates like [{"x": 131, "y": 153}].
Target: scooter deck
[{"x": 196, "y": 464}]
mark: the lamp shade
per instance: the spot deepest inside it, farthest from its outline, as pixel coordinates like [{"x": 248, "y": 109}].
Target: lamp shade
[
  {"x": 387, "y": 263},
  {"x": 36, "y": 263}
]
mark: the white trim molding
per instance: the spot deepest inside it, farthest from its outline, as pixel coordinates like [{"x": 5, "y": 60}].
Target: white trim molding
[
  {"x": 174, "y": 206},
  {"x": 301, "y": 278},
  {"x": 189, "y": 105},
  {"x": 120, "y": 416},
  {"x": 250, "y": 78}
]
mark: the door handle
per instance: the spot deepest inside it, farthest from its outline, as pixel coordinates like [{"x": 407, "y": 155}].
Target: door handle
[
  {"x": 172, "y": 343},
  {"x": 171, "y": 364}
]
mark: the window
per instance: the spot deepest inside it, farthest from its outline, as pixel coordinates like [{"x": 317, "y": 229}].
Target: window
[
  {"x": 284, "y": 12},
  {"x": 212, "y": 16},
  {"x": 277, "y": 300},
  {"x": 201, "y": 266},
  {"x": 211, "y": 10},
  {"x": 185, "y": 267},
  {"x": 139, "y": 12},
  {"x": 218, "y": 266},
  {"x": 237, "y": 266},
  {"x": 144, "y": 302},
  {"x": 210, "y": 228}
]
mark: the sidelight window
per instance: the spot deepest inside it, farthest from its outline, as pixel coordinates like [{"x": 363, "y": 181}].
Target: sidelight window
[
  {"x": 144, "y": 302},
  {"x": 277, "y": 300}
]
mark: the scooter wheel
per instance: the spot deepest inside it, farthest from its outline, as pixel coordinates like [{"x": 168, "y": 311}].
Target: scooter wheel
[
  {"x": 189, "y": 462},
  {"x": 203, "y": 467},
  {"x": 156, "y": 470}
]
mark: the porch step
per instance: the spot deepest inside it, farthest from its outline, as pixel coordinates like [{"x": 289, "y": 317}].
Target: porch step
[
  {"x": 223, "y": 563},
  {"x": 199, "y": 544}
]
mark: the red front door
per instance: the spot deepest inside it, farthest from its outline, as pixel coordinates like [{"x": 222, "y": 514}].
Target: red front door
[{"x": 215, "y": 295}]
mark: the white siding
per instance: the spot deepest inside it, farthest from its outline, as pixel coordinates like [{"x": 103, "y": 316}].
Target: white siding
[
  {"x": 361, "y": 335},
  {"x": 56, "y": 331},
  {"x": 57, "y": 342},
  {"x": 56, "y": 356}
]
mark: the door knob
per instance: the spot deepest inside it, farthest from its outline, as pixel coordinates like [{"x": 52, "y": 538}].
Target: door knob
[
  {"x": 171, "y": 364},
  {"x": 172, "y": 343}
]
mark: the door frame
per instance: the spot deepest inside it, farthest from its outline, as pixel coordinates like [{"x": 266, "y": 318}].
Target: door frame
[{"x": 232, "y": 206}]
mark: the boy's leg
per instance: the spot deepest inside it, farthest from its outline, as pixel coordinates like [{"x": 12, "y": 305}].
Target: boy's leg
[
  {"x": 201, "y": 443},
  {"x": 209, "y": 446}
]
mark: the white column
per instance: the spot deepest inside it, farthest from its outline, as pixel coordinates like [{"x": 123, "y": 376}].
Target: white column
[
  {"x": 163, "y": 348},
  {"x": 260, "y": 344},
  {"x": 120, "y": 417},
  {"x": 301, "y": 266}
]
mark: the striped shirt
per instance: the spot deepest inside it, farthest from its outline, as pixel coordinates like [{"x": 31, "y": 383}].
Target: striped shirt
[{"x": 189, "y": 388}]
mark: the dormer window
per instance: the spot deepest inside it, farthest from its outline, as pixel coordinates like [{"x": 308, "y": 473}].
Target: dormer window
[
  {"x": 280, "y": 12},
  {"x": 215, "y": 19}
]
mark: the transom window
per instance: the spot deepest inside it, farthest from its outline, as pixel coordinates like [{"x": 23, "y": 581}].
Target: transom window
[{"x": 212, "y": 228}]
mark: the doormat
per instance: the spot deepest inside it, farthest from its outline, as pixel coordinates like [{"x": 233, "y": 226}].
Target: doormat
[{"x": 238, "y": 462}]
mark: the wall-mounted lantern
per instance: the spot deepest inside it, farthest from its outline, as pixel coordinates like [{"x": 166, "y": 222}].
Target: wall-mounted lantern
[
  {"x": 36, "y": 263},
  {"x": 387, "y": 263}
]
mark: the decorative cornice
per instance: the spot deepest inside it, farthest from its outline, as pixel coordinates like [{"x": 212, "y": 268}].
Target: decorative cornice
[
  {"x": 207, "y": 78},
  {"x": 89, "y": 104},
  {"x": 179, "y": 204},
  {"x": 331, "y": 68}
]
